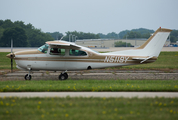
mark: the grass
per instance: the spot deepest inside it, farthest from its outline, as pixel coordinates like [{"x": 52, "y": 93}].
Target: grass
[
  {"x": 88, "y": 108},
  {"x": 92, "y": 108},
  {"x": 166, "y": 60},
  {"x": 89, "y": 85}
]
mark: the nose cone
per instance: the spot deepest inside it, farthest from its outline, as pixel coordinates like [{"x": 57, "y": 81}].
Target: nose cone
[{"x": 10, "y": 55}]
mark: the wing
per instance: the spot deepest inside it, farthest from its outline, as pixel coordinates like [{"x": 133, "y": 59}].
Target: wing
[{"x": 62, "y": 44}]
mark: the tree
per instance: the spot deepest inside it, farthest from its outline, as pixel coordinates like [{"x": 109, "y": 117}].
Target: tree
[
  {"x": 56, "y": 35},
  {"x": 136, "y": 33},
  {"x": 17, "y": 34},
  {"x": 132, "y": 35},
  {"x": 174, "y": 36},
  {"x": 37, "y": 38},
  {"x": 34, "y": 37}
]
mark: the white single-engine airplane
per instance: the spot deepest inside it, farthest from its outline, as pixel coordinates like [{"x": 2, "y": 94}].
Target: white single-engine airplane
[{"x": 65, "y": 56}]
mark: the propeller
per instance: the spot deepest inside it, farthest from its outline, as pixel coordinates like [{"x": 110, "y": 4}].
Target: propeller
[{"x": 11, "y": 55}]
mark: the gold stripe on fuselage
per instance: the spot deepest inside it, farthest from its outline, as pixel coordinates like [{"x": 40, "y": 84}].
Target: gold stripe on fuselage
[{"x": 99, "y": 59}]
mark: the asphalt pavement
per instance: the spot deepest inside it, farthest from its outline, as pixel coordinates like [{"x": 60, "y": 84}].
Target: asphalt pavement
[
  {"x": 100, "y": 74},
  {"x": 91, "y": 94}
]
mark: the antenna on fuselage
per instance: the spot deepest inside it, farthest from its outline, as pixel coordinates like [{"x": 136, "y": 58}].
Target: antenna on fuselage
[{"x": 61, "y": 37}]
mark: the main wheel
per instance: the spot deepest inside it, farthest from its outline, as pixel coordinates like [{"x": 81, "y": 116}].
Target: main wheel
[
  {"x": 28, "y": 77},
  {"x": 63, "y": 76},
  {"x": 66, "y": 75}
]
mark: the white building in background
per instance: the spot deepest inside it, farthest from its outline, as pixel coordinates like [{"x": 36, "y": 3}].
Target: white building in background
[{"x": 106, "y": 43}]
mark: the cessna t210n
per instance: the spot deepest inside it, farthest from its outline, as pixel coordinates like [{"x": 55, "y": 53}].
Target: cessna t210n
[{"x": 66, "y": 56}]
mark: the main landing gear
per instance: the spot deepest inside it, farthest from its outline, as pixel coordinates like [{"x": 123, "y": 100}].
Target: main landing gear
[{"x": 63, "y": 76}]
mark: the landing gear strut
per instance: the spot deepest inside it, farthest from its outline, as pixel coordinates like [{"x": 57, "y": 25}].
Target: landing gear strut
[
  {"x": 28, "y": 76},
  {"x": 63, "y": 76}
]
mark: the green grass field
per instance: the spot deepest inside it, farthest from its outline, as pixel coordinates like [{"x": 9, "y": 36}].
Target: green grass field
[
  {"x": 89, "y": 85},
  {"x": 166, "y": 60},
  {"x": 88, "y": 108},
  {"x": 92, "y": 108}
]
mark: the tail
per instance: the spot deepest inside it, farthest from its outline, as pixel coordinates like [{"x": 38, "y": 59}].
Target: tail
[{"x": 153, "y": 46}]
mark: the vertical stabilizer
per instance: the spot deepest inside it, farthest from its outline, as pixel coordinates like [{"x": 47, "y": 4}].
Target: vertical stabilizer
[{"x": 153, "y": 46}]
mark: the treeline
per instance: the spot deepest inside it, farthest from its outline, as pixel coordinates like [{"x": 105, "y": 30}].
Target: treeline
[
  {"x": 131, "y": 34},
  {"x": 135, "y": 33},
  {"x": 22, "y": 35}
]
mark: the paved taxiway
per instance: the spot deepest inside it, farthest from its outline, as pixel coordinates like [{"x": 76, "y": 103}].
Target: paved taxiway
[
  {"x": 94, "y": 74},
  {"x": 91, "y": 94}
]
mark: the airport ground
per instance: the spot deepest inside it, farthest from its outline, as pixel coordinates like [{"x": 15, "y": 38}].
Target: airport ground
[{"x": 90, "y": 105}]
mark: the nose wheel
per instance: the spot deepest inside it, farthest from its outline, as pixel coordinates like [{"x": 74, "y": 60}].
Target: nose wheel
[
  {"x": 28, "y": 77},
  {"x": 63, "y": 76}
]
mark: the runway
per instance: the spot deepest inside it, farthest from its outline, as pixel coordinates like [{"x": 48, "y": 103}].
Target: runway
[{"x": 91, "y": 94}]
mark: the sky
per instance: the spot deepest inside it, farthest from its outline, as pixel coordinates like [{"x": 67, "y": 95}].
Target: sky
[{"x": 94, "y": 16}]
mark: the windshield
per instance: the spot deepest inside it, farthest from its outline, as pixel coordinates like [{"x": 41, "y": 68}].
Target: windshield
[{"x": 43, "y": 48}]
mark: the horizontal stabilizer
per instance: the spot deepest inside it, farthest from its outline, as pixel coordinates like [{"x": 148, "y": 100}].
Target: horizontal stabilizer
[{"x": 142, "y": 59}]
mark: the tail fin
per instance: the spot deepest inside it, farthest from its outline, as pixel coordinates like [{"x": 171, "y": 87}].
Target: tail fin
[{"x": 153, "y": 46}]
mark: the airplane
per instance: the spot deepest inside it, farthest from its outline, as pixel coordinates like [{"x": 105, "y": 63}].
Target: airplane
[{"x": 66, "y": 56}]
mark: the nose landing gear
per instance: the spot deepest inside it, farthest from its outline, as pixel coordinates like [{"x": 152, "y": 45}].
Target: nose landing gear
[{"x": 28, "y": 76}]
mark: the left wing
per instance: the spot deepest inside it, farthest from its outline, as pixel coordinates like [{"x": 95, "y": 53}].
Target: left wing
[{"x": 62, "y": 44}]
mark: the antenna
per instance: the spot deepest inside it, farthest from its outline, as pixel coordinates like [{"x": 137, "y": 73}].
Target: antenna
[{"x": 61, "y": 37}]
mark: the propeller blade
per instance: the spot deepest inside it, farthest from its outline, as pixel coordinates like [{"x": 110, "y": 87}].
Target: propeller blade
[
  {"x": 11, "y": 45},
  {"x": 12, "y": 55}
]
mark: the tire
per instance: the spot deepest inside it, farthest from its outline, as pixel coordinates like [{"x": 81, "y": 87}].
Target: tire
[
  {"x": 66, "y": 75},
  {"x": 63, "y": 76},
  {"x": 28, "y": 77}
]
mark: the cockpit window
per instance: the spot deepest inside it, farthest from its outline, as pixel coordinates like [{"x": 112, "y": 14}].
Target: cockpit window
[
  {"x": 73, "y": 52},
  {"x": 43, "y": 48}
]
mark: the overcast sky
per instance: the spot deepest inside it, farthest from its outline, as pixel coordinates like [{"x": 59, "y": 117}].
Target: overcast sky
[{"x": 95, "y": 16}]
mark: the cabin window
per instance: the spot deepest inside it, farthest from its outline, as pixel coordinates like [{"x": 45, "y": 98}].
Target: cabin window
[
  {"x": 57, "y": 51},
  {"x": 73, "y": 52},
  {"x": 44, "y": 48}
]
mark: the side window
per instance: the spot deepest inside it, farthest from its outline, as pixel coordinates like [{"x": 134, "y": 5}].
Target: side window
[
  {"x": 73, "y": 52},
  {"x": 57, "y": 51}
]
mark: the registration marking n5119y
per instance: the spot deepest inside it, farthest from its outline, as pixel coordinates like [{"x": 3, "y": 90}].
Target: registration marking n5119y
[{"x": 116, "y": 59}]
